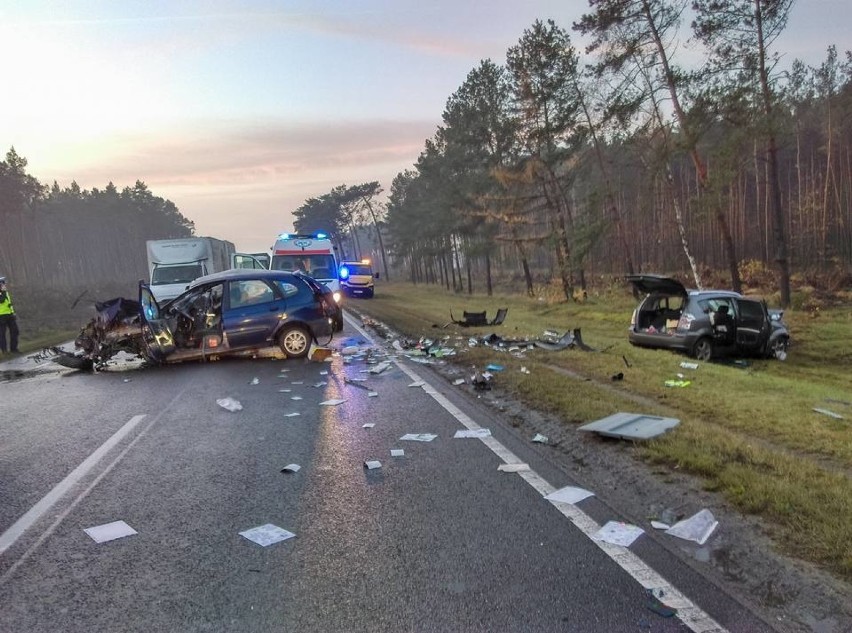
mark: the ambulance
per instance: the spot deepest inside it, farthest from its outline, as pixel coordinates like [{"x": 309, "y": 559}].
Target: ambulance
[
  {"x": 312, "y": 254},
  {"x": 356, "y": 279}
]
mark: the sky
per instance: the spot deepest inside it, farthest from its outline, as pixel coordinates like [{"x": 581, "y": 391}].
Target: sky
[{"x": 240, "y": 111}]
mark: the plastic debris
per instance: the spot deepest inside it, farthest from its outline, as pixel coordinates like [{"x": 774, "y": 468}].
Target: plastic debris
[
  {"x": 373, "y": 394},
  {"x": 696, "y": 528},
  {"x": 659, "y": 525},
  {"x": 538, "y": 438},
  {"x": 323, "y": 373},
  {"x": 110, "y": 531},
  {"x": 295, "y": 397},
  {"x": 291, "y": 468},
  {"x": 292, "y": 415},
  {"x": 266, "y": 535},
  {"x": 830, "y": 414},
  {"x": 126, "y": 380},
  {"x": 477, "y": 433},
  {"x": 350, "y": 350},
  {"x": 618, "y": 533},
  {"x": 419, "y": 437},
  {"x": 378, "y": 369},
  {"x": 631, "y": 426},
  {"x": 687, "y": 365},
  {"x": 458, "y": 381},
  {"x": 254, "y": 381},
  {"x": 321, "y": 383},
  {"x": 493, "y": 367},
  {"x": 285, "y": 390},
  {"x": 230, "y": 404},
  {"x": 513, "y": 468},
  {"x": 418, "y": 383},
  {"x": 368, "y": 425},
  {"x": 569, "y": 494},
  {"x": 297, "y": 382},
  {"x": 331, "y": 403},
  {"x": 658, "y": 607},
  {"x": 372, "y": 464},
  {"x": 677, "y": 383},
  {"x": 397, "y": 452},
  {"x": 319, "y": 354}
]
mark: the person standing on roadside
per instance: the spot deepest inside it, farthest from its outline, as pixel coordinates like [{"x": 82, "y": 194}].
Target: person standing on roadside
[{"x": 7, "y": 320}]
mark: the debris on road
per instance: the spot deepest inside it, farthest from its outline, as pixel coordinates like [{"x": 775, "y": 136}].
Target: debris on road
[
  {"x": 569, "y": 494},
  {"x": 297, "y": 382},
  {"x": 292, "y": 415},
  {"x": 830, "y": 414},
  {"x": 291, "y": 468},
  {"x": 618, "y": 533},
  {"x": 110, "y": 531},
  {"x": 373, "y": 394},
  {"x": 418, "y": 383},
  {"x": 631, "y": 426},
  {"x": 331, "y": 403},
  {"x": 285, "y": 390},
  {"x": 458, "y": 381},
  {"x": 254, "y": 381},
  {"x": 659, "y": 525},
  {"x": 266, "y": 535},
  {"x": 696, "y": 528},
  {"x": 372, "y": 464},
  {"x": 321, "y": 383},
  {"x": 418, "y": 437},
  {"x": 381, "y": 367},
  {"x": 477, "y": 433},
  {"x": 687, "y": 365},
  {"x": 493, "y": 367},
  {"x": 230, "y": 404},
  {"x": 659, "y": 607},
  {"x": 538, "y": 438},
  {"x": 524, "y": 370},
  {"x": 397, "y": 452},
  {"x": 319, "y": 354},
  {"x": 368, "y": 425},
  {"x": 295, "y": 397},
  {"x": 513, "y": 468},
  {"x": 352, "y": 381}
]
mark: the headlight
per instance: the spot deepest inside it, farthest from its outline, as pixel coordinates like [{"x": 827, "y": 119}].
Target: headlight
[{"x": 336, "y": 297}]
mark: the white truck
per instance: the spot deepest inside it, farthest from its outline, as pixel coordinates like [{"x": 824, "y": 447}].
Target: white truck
[{"x": 174, "y": 264}]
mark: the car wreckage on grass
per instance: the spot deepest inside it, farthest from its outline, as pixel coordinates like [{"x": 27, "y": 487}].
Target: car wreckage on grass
[{"x": 233, "y": 313}]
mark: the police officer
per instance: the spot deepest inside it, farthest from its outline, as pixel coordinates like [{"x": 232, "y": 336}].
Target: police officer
[{"x": 7, "y": 320}]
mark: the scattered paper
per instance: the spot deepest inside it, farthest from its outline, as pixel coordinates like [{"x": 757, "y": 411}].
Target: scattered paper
[
  {"x": 418, "y": 437},
  {"x": 417, "y": 384},
  {"x": 355, "y": 379},
  {"x": 110, "y": 531},
  {"x": 331, "y": 403},
  {"x": 467, "y": 433},
  {"x": 254, "y": 381},
  {"x": 368, "y": 425},
  {"x": 524, "y": 370},
  {"x": 266, "y": 535},
  {"x": 372, "y": 394},
  {"x": 298, "y": 382},
  {"x": 538, "y": 438},
  {"x": 230, "y": 404},
  {"x": 687, "y": 365},
  {"x": 283, "y": 371},
  {"x": 291, "y": 468},
  {"x": 696, "y": 528},
  {"x": 618, "y": 533},
  {"x": 292, "y": 415},
  {"x": 458, "y": 381},
  {"x": 379, "y": 368},
  {"x": 569, "y": 494},
  {"x": 295, "y": 397},
  {"x": 284, "y": 390},
  {"x": 397, "y": 452},
  {"x": 659, "y": 525},
  {"x": 373, "y": 463},
  {"x": 321, "y": 383},
  {"x": 323, "y": 373},
  {"x": 126, "y": 380},
  {"x": 513, "y": 468}
]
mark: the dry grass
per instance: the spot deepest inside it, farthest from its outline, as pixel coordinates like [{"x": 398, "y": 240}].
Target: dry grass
[{"x": 749, "y": 433}]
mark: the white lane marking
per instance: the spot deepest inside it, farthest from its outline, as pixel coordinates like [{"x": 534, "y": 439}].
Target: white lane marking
[
  {"x": 8, "y": 538},
  {"x": 687, "y": 612}
]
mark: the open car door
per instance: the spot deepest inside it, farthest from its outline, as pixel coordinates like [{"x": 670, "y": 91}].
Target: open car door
[
  {"x": 253, "y": 261},
  {"x": 752, "y": 325},
  {"x": 156, "y": 335}
]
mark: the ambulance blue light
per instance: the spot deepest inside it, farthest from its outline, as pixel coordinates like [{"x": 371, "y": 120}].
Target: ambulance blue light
[
  {"x": 284, "y": 236},
  {"x": 344, "y": 272},
  {"x": 321, "y": 236}
]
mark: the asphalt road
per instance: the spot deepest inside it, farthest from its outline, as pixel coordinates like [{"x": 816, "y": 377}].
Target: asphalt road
[{"x": 437, "y": 540}]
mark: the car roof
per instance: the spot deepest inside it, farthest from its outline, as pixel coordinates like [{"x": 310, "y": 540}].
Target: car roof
[{"x": 236, "y": 274}]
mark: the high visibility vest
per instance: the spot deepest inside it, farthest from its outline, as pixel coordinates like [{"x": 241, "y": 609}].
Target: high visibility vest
[{"x": 6, "y": 305}]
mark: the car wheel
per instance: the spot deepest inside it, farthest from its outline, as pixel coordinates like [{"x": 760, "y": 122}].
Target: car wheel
[
  {"x": 703, "y": 349},
  {"x": 295, "y": 342},
  {"x": 778, "y": 348}
]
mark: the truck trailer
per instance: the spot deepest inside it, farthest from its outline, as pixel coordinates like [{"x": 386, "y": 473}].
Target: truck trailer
[{"x": 174, "y": 264}]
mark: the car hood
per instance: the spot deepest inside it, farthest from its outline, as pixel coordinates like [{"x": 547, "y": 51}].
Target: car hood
[{"x": 656, "y": 283}]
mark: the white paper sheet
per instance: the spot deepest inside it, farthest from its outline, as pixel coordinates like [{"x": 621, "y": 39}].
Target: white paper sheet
[
  {"x": 372, "y": 394},
  {"x": 266, "y": 535},
  {"x": 397, "y": 452},
  {"x": 292, "y": 415},
  {"x": 323, "y": 373},
  {"x": 373, "y": 464},
  {"x": 696, "y": 528},
  {"x": 418, "y": 437},
  {"x": 618, "y": 533},
  {"x": 569, "y": 494},
  {"x": 467, "y": 433},
  {"x": 295, "y": 397},
  {"x": 110, "y": 531},
  {"x": 331, "y": 403},
  {"x": 230, "y": 404},
  {"x": 368, "y": 425},
  {"x": 291, "y": 468},
  {"x": 284, "y": 390},
  {"x": 513, "y": 468},
  {"x": 416, "y": 384},
  {"x": 255, "y": 381},
  {"x": 458, "y": 381},
  {"x": 322, "y": 383},
  {"x": 539, "y": 438}
]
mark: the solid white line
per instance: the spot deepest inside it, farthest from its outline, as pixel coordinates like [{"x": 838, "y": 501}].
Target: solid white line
[
  {"x": 8, "y": 538},
  {"x": 688, "y": 613}
]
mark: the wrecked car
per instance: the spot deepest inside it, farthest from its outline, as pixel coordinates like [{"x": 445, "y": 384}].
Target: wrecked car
[
  {"x": 704, "y": 323},
  {"x": 236, "y": 312}
]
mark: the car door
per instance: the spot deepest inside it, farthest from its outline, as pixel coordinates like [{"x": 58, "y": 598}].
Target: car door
[
  {"x": 253, "y": 310},
  {"x": 255, "y": 261},
  {"x": 752, "y": 324},
  {"x": 158, "y": 338}
]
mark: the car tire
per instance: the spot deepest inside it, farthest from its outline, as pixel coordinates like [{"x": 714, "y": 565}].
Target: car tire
[
  {"x": 295, "y": 341},
  {"x": 703, "y": 349}
]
